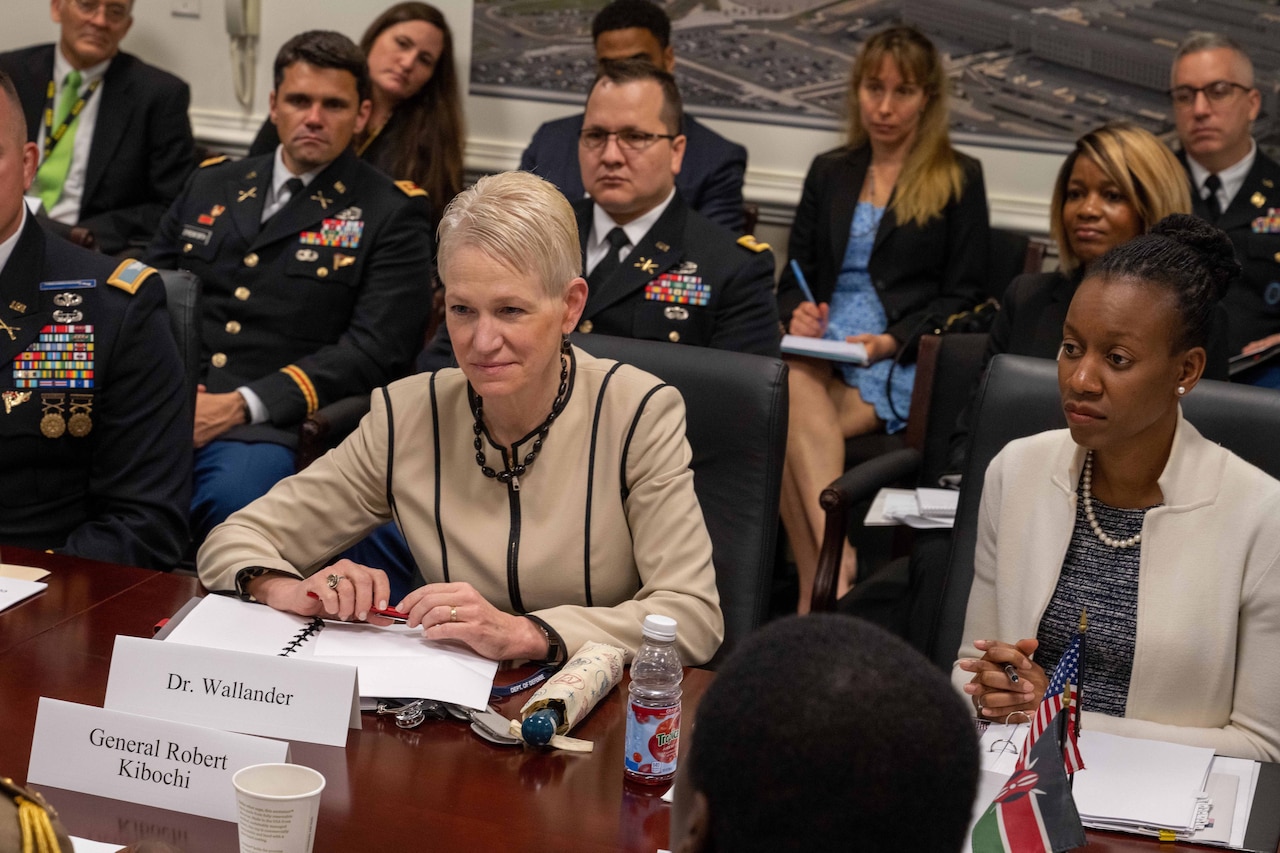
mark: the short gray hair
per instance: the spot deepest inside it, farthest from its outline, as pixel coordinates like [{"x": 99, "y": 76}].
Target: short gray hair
[
  {"x": 519, "y": 220},
  {"x": 1202, "y": 40}
]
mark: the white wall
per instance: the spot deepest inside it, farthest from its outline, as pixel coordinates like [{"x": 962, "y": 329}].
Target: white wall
[{"x": 196, "y": 49}]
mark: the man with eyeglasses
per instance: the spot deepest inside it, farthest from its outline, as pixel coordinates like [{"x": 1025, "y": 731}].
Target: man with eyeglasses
[
  {"x": 1234, "y": 185},
  {"x": 658, "y": 269},
  {"x": 711, "y": 180},
  {"x": 112, "y": 131}
]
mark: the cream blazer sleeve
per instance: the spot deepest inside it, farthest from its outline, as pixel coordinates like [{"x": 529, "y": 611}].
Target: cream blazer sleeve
[{"x": 670, "y": 543}]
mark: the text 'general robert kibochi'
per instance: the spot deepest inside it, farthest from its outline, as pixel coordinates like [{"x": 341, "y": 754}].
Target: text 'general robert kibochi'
[{"x": 137, "y": 768}]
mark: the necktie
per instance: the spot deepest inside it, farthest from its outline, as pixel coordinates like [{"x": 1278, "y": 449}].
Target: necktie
[
  {"x": 53, "y": 171},
  {"x": 291, "y": 188},
  {"x": 609, "y": 264},
  {"x": 1213, "y": 183}
]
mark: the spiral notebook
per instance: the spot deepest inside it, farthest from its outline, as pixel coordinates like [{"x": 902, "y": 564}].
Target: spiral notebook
[
  {"x": 393, "y": 661},
  {"x": 219, "y": 622}
]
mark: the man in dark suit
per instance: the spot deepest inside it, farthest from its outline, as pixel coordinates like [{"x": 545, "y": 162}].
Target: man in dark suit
[
  {"x": 316, "y": 271},
  {"x": 711, "y": 179},
  {"x": 95, "y": 458},
  {"x": 658, "y": 269},
  {"x": 113, "y": 133},
  {"x": 1233, "y": 184}
]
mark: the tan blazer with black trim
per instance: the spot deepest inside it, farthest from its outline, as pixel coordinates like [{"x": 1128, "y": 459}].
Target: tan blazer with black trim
[{"x": 606, "y": 526}]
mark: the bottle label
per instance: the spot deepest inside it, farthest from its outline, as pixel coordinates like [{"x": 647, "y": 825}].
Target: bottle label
[{"x": 653, "y": 739}]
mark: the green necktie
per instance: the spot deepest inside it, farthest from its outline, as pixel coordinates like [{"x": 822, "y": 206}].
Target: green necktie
[{"x": 53, "y": 171}]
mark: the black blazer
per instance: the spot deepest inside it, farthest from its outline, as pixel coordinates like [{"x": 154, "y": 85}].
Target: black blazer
[
  {"x": 1253, "y": 302},
  {"x": 1035, "y": 306},
  {"x": 142, "y": 147},
  {"x": 939, "y": 268}
]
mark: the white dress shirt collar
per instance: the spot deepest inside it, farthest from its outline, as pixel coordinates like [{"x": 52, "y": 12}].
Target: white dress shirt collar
[
  {"x": 1232, "y": 177},
  {"x": 602, "y": 223},
  {"x": 6, "y": 248}
]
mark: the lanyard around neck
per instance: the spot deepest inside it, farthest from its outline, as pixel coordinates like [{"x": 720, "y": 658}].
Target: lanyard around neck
[{"x": 51, "y": 135}]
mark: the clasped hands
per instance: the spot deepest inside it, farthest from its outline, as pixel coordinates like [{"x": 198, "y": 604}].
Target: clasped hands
[
  {"x": 995, "y": 695},
  {"x": 444, "y": 611},
  {"x": 810, "y": 320}
]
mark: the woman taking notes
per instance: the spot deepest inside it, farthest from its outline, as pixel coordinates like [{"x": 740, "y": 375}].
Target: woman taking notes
[
  {"x": 1169, "y": 541},
  {"x": 891, "y": 228},
  {"x": 415, "y": 131},
  {"x": 545, "y": 494}
]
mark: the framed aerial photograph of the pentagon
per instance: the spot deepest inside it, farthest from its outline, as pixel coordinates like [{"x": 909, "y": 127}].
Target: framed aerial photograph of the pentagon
[{"x": 1024, "y": 73}]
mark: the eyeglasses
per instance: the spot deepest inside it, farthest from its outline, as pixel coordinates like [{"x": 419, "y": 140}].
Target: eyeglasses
[
  {"x": 1216, "y": 92},
  {"x": 632, "y": 140},
  {"x": 116, "y": 13}
]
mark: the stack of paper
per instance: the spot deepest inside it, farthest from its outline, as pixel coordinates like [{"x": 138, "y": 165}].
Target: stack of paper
[
  {"x": 1143, "y": 786},
  {"x": 920, "y": 508}
]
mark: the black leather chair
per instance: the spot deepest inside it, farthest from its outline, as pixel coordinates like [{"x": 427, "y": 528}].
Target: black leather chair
[
  {"x": 1019, "y": 397},
  {"x": 736, "y": 416},
  {"x": 946, "y": 368},
  {"x": 182, "y": 293}
]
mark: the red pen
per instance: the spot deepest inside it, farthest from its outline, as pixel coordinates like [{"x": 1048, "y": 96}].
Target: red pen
[{"x": 393, "y": 615}]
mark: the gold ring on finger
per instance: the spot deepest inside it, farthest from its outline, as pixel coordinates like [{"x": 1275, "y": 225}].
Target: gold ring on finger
[{"x": 453, "y": 614}]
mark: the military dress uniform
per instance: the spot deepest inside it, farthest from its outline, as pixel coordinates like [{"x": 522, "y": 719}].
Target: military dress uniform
[
  {"x": 689, "y": 281},
  {"x": 95, "y": 435},
  {"x": 326, "y": 299},
  {"x": 1252, "y": 221}
]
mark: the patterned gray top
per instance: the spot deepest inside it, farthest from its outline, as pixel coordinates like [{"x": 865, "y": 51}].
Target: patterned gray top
[{"x": 1103, "y": 580}]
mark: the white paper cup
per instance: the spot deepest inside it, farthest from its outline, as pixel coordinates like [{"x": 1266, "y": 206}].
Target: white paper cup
[{"x": 277, "y": 805}]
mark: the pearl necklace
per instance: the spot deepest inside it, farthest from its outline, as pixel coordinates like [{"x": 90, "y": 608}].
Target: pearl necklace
[{"x": 1088, "y": 510}]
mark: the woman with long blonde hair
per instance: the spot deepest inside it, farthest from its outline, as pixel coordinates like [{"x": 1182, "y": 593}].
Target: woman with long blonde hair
[{"x": 891, "y": 230}]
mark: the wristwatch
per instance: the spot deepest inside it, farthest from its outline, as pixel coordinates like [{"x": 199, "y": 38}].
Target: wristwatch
[{"x": 555, "y": 646}]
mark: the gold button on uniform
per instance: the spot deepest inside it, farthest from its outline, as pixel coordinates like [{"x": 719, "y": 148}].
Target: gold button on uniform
[
  {"x": 187, "y": 247},
  {"x": 1277, "y": 257},
  {"x": 242, "y": 293},
  {"x": 233, "y": 327},
  {"x": 219, "y": 359},
  {"x": 251, "y": 259},
  {"x": 322, "y": 272},
  {"x": 585, "y": 327},
  {"x": 674, "y": 337}
]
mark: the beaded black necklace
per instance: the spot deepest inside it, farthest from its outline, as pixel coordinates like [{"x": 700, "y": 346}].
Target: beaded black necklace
[{"x": 513, "y": 475}]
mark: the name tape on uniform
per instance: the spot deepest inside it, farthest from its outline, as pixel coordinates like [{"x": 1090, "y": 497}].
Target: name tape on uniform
[
  {"x": 282, "y": 697},
  {"x": 138, "y": 759}
]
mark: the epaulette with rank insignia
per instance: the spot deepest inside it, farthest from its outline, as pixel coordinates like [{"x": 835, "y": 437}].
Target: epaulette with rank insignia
[
  {"x": 28, "y": 823},
  {"x": 130, "y": 275},
  {"x": 411, "y": 189},
  {"x": 213, "y": 161},
  {"x": 749, "y": 241}
]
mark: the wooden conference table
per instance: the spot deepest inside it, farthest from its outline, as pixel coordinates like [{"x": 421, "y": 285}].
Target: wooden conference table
[{"x": 438, "y": 786}]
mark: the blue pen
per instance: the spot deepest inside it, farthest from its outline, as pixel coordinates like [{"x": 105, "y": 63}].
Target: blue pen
[{"x": 804, "y": 285}]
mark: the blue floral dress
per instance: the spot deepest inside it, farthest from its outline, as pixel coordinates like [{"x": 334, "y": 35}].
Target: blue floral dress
[{"x": 856, "y": 310}]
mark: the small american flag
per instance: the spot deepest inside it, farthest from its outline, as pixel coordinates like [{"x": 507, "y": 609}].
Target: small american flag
[{"x": 1063, "y": 683}]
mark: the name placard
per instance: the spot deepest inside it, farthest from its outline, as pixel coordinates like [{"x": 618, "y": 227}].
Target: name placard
[
  {"x": 138, "y": 759},
  {"x": 282, "y": 697}
]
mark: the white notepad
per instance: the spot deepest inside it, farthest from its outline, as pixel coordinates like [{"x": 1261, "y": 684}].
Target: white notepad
[
  {"x": 393, "y": 661},
  {"x": 1128, "y": 782}
]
